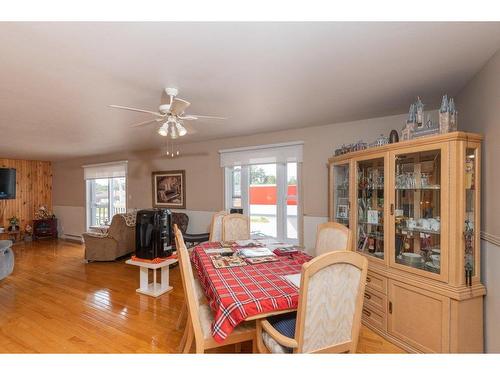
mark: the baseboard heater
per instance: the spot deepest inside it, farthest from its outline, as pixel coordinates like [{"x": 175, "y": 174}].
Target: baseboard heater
[{"x": 72, "y": 237}]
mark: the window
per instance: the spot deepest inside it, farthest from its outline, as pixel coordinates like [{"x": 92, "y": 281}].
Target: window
[
  {"x": 267, "y": 191},
  {"x": 105, "y": 192}
]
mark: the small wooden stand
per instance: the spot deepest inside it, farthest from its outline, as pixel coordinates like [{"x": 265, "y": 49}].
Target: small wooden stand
[{"x": 153, "y": 289}]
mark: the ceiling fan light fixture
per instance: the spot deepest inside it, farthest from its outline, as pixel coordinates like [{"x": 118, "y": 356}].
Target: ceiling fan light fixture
[
  {"x": 163, "y": 131},
  {"x": 174, "y": 133},
  {"x": 181, "y": 129}
]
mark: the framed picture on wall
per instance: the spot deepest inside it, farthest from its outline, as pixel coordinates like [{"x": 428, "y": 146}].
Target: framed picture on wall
[{"x": 169, "y": 189}]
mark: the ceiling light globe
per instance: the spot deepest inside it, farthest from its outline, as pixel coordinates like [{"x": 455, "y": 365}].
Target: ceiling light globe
[
  {"x": 181, "y": 129},
  {"x": 174, "y": 134},
  {"x": 163, "y": 131}
]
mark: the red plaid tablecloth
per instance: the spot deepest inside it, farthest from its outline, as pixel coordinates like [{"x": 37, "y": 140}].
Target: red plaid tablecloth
[{"x": 237, "y": 293}]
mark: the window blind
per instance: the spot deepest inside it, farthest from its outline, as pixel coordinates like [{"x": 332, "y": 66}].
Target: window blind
[
  {"x": 105, "y": 170},
  {"x": 266, "y": 154}
]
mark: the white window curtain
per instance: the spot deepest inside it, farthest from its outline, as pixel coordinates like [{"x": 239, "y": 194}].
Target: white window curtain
[
  {"x": 105, "y": 170},
  {"x": 274, "y": 153}
]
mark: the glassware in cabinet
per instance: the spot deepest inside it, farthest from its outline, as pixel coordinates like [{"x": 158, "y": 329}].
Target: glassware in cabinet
[
  {"x": 341, "y": 203},
  {"x": 417, "y": 210},
  {"x": 470, "y": 214},
  {"x": 370, "y": 197}
]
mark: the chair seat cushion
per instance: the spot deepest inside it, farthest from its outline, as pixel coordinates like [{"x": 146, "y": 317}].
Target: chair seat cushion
[{"x": 284, "y": 324}]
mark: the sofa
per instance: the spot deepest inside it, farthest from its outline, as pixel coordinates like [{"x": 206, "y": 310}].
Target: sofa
[
  {"x": 6, "y": 259},
  {"x": 117, "y": 242}
]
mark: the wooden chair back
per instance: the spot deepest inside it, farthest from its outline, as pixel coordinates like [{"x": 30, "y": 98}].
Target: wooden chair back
[
  {"x": 188, "y": 284},
  {"x": 330, "y": 303},
  {"x": 235, "y": 227},
  {"x": 333, "y": 236},
  {"x": 216, "y": 226}
]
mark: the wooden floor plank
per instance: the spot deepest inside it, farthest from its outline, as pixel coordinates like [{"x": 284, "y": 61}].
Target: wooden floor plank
[{"x": 56, "y": 303}]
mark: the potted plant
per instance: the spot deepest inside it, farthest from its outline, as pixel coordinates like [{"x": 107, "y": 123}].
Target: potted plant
[{"x": 14, "y": 224}]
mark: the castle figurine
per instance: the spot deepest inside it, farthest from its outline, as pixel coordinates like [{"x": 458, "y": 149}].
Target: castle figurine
[
  {"x": 447, "y": 116},
  {"x": 409, "y": 128},
  {"x": 419, "y": 111}
]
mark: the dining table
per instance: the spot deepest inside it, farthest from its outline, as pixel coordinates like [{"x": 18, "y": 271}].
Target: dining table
[{"x": 246, "y": 292}]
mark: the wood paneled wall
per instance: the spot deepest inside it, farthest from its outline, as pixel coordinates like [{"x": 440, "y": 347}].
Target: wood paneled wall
[{"x": 33, "y": 189}]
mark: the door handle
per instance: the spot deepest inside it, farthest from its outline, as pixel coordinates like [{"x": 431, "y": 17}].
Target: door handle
[
  {"x": 367, "y": 296},
  {"x": 390, "y": 307},
  {"x": 366, "y": 312},
  {"x": 392, "y": 208}
]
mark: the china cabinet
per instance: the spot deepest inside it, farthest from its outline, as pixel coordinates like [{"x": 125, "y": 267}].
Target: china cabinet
[{"x": 414, "y": 209}]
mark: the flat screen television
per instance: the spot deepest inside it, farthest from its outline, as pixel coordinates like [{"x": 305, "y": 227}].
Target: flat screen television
[{"x": 7, "y": 183}]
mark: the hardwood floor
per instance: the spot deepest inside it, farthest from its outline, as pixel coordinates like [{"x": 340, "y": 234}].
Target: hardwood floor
[{"x": 55, "y": 303}]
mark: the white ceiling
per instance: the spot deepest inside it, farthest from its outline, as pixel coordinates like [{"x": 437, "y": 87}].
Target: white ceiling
[{"x": 56, "y": 79}]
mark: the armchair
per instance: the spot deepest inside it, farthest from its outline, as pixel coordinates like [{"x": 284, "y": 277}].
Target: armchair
[
  {"x": 6, "y": 259},
  {"x": 117, "y": 242}
]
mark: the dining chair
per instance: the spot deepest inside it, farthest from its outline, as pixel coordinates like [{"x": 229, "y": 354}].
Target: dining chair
[
  {"x": 328, "y": 316},
  {"x": 216, "y": 226},
  {"x": 200, "y": 296},
  {"x": 200, "y": 317},
  {"x": 333, "y": 236},
  {"x": 235, "y": 227}
]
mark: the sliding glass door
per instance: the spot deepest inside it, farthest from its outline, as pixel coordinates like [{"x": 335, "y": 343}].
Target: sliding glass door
[{"x": 268, "y": 194}]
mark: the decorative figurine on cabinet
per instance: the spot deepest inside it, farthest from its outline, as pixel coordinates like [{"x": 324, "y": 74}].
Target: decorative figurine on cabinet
[
  {"x": 428, "y": 128},
  {"x": 393, "y": 136},
  {"x": 447, "y": 116},
  {"x": 444, "y": 116},
  {"x": 453, "y": 116},
  {"x": 409, "y": 128},
  {"x": 419, "y": 110},
  {"x": 380, "y": 141}
]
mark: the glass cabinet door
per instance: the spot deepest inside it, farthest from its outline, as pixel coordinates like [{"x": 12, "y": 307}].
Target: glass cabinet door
[
  {"x": 370, "y": 207},
  {"x": 417, "y": 210},
  {"x": 341, "y": 203},
  {"x": 471, "y": 200}
]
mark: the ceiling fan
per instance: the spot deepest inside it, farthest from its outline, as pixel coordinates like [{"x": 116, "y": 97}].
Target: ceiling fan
[{"x": 171, "y": 116}]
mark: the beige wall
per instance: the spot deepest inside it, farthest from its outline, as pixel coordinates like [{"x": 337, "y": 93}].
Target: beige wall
[
  {"x": 479, "y": 109},
  {"x": 204, "y": 177}
]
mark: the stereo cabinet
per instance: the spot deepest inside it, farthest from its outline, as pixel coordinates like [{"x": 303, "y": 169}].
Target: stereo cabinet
[{"x": 414, "y": 208}]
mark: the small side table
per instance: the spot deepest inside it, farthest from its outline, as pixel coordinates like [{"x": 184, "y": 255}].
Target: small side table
[{"x": 153, "y": 289}]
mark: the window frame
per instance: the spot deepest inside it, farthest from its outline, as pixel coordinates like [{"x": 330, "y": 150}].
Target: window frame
[
  {"x": 282, "y": 197},
  {"x": 90, "y": 194}
]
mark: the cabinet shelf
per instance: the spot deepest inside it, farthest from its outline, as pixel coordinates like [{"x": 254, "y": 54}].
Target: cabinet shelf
[
  {"x": 418, "y": 230},
  {"x": 367, "y": 223},
  {"x": 420, "y": 188}
]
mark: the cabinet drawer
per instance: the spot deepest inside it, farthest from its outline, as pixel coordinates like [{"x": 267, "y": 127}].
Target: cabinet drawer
[
  {"x": 375, "y": 300},
  {"x": 376, "y": 282},
  {"x": 374, "y": 317}
]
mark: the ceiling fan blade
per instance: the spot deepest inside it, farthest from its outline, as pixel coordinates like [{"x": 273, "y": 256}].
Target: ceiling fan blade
[
  {"x": 146, "y": 122},
  {"x": 196, "y": 117},
  {"x": 136, "y": 110},
  {"x": 189, "y": 128},
  {"x": 178, "y": 106}
]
